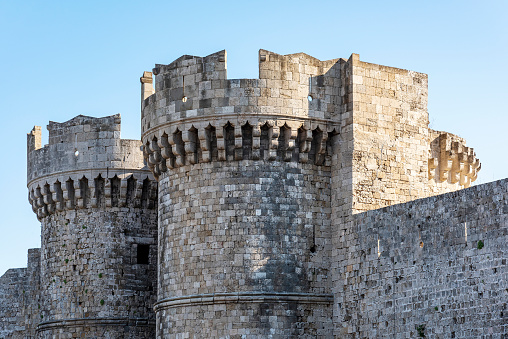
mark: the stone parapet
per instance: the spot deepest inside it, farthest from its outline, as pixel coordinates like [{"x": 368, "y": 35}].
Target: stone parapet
[
  {"x": 82, "y": 143},
  {"x": 437, "y": 264},
  {"x": 452, "y": 161},
  {"x": 198, "y": 86},
  {"x": 86, "y": 165},
  {"x": 197, "y": 115}
]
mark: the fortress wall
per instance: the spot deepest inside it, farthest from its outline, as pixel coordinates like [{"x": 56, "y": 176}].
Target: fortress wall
[
  {"x": 244, "y": 212},
  {"x": 391, "y": 146},
  {"x": 268, "y": 221},
  {"x": 425, "y": 272},
  {"x": 19, "y": 299},
  {"x": 13, "y": 301}
]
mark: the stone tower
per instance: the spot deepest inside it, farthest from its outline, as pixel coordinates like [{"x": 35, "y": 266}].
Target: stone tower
[
  {"x": 259, "y": 180},
  {"x": 97, "y": 205},
  {"x": 243, "y": 169}
]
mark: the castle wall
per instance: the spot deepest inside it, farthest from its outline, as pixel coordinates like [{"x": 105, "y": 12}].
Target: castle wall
[
  {"x": 19, "y": 299},
  {"x": 386, "y": 154},
  {"x": 13, "y": 287},
  {"x": 365, "y": 123},
  {"x": 97, "y": 205},
  {"x": 268, "y": 212},
  {"x": 435, "y": 266},
  {"x": 97, "y": 141}
]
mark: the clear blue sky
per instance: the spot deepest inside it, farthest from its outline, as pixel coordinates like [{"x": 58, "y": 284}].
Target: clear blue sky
[{"x": 60, "y": 59}]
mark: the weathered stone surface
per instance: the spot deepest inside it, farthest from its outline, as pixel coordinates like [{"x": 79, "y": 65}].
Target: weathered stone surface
[
  {"x": 20, "y": 300},
  {"x": 437, "y": 263}
]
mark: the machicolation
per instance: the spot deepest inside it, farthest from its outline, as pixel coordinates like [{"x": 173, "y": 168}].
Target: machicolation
[{"x": 313, "y": 202}]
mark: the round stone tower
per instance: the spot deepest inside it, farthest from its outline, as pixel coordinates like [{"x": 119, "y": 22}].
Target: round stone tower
[
  {"x": 97, "y": 205},
  {"x": 244, "y": 197}
]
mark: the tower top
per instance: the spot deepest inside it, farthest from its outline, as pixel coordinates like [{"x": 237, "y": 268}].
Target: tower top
[
  {"x": 62, "y": 174},
  {"x": 81, "y": 144}
]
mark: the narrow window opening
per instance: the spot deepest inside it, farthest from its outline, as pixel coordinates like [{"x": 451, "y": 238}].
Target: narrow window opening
[
  {"x": 283, "y": 140},
  {"x": 85, "y": 192},
  {"x": 131, "y": 189},
  {"x": 59, "y": 193},
  {"x": 317, "y": 136},
  {"x": 144, "y": 193},
  {"x": 299, "y": 146},
  {"x": 71, "y": 192},
  {"x": 180, "y": 146},
  {"x": 211, "y": 139},
  {"x": 143, "y": 252},
  {"x": 197, "y": 146}
]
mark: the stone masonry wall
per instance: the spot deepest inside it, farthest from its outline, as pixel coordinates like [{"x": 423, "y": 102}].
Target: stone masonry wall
[
  {"x": 268, "y": 212},
  {"x": 97, "y": 141},
  {"x": 244, "y": 244},
  {"x": 392, "y": 141},
  {"x": 283, "y": 87},
  {"x": 90, "y": 271},
  {"x": 385, "y": 152},
  {"x": 368, "y": 123},
  {"x": 19, "y": 299},
  {"x": 435, "y": 267}
]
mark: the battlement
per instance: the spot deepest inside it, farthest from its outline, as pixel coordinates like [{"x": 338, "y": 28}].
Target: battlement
[
  {"x": 86, "y": 164},
  {"x": 197, "y": 115},
  {"x": 295, "y": 86},
  {"x": 82, "y": 143},
  {"x": 451, "y": 160}
]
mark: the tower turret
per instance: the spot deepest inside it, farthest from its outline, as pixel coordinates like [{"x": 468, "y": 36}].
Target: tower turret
[
  {"x": 243, "y": 169},
  {"x": 96, "y": 201}
]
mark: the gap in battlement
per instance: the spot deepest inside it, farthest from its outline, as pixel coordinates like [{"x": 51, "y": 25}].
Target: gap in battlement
[
  {"x": 243, "y": 65},
  {"x": 45, "y": 137}
]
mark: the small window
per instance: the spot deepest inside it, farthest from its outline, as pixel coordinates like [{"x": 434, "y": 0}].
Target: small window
[{"x": 143, "y": 254}]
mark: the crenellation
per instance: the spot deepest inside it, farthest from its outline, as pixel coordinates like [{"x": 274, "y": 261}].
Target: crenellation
[
  {"x": 451, "y": 161},
  {"x": 192, "y": 143}
]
